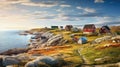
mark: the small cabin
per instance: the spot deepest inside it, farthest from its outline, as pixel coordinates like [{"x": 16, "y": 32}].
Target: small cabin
[
  {"x": 104, "y": 30},
  {"x": 61, "y": 27},
  {"x": 68, "y": 27},
  {"x": 54, "y": 27},
  {"x": 89, "y": 29}
]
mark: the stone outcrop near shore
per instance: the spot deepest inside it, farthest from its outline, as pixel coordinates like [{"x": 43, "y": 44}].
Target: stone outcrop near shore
[
  {"x": 15, "y": 51},
  {"x": 46, "y": 39},
  {"x": 32, "y": 61},
  {"x": 43, "y": 61}
]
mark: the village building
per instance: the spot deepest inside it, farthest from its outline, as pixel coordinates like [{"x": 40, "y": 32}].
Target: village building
[
  {"x": 54, "y": 27},
  {"x": 89, "y": 29},
  {"x": 104, "y": 30},
  {"x": 68, "y": 27},
  {"x": 61, "y": 28}
]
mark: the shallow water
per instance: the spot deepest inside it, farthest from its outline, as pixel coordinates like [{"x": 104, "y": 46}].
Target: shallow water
[{"x": 12, "y": 39}]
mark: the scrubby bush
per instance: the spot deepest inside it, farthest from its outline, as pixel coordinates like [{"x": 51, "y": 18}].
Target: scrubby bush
[{"x": 118, "y": 32}]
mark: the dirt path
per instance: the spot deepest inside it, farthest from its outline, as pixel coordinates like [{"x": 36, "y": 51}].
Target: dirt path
[
  {"x": 84, "y": 60},
  {"x": 86, "y": 63}
]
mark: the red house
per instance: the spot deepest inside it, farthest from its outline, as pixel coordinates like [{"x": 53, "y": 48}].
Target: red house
[{"x": 89, "y": 29}]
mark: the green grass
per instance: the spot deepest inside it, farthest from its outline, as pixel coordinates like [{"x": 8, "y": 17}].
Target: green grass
[{"x": 91, "y": 54}]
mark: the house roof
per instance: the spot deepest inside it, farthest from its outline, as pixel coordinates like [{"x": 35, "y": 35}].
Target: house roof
[
  {"x": 68, "y": 25},
  {"x": 106, "y": 27},
  {"x": 89, "y": 26}
]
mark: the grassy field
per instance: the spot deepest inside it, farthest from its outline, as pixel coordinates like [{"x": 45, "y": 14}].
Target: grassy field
[{"x": 110, "y": 55}]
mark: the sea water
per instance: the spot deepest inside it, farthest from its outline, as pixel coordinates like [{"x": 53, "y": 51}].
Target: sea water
[{"x": 11, "y": 39}]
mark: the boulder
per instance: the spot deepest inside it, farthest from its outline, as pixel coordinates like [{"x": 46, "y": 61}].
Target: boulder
[
  {"x": 118, "y": 64},
  {"x": 14, "y": 60},
  {"x": 23, "y": 57},
  {"x": 47, "y": 34},
  {"x": 99, "y": 60},
  {"x": 54, "y": 40},
  {"x": 46, "y": 60},
  {"x": 116, "y": 37},
  {"x": 1, "y": 59},
  {"x": 7, "y": 60},
  {"x": 101, "y": 39}
]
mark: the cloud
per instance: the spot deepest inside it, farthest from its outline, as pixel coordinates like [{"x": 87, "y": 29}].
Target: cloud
[
  {"x": 111, "y": 23},
  {"x": 87, "y": 10},
  {"x": 78, "y": 7},
  {"x": 82, "y": 15},
  {"x": 92, "y": 15},
  {"x": 36, "y": 3},
  {"x": 30, "y": 3},
  {"x": 40, "y": 12},
  {"x": 58, "y": 17},
  {"x": 65, "y": 5},
  {"x": 90, "y": 10},
  {"x": 67, "y": 17},
  {"x": 46, "y": 17},
  {"x": 43, "y": 15},
  {"x": 107, "y": 20},
  {"x": 10, "y": 21},
  {"x": 40, "y": 4},
  {"x": 59, "y": 10},
  {"x": 9, "y": 2},
  {"x": 99, "y": 1}
]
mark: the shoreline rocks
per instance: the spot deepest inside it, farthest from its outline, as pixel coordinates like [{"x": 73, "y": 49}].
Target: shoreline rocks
[
  {"x": 15, "y": 59},
  {"x": 46, "y": 39},
  {"x": 15, "y": 51},
  {"x": 45, "y": 61}
]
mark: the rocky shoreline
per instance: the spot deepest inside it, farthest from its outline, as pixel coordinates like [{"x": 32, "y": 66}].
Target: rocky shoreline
[{"x": 40, "y": 40}]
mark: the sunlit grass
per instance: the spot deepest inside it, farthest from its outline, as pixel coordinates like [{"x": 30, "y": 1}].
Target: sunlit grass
[{"x": 91, "y": 54}]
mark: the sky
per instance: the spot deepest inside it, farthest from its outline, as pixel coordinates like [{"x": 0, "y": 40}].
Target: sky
[{"x": 27, "y": 14}]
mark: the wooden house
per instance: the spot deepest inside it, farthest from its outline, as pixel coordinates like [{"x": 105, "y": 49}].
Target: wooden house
[
  {"x": 68, "y": 27},
  {"x": 104, "y": 29},
  {"x": 89, "y": 29}
]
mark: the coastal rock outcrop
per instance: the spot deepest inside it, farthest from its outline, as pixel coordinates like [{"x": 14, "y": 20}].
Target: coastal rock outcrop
[
  {"x": 46, "y": 39},
  {"x": 112, "y": 38},
  {"x": 14, "y": 51},
  {"x": 45, "y": 61},
  {"x": 14, "y": 60},
  {"x": 10, "y": 61},
  {"x": 101, "y": 39}
]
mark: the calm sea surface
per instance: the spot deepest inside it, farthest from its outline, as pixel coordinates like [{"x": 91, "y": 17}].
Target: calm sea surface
[{"x": 12, "y": 39}]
